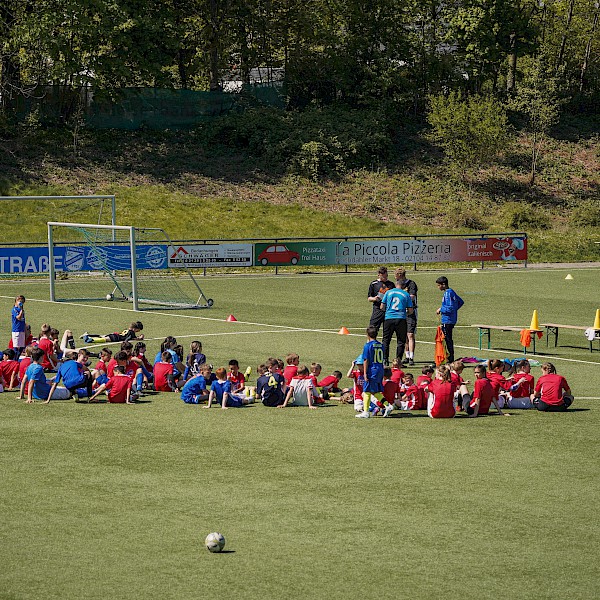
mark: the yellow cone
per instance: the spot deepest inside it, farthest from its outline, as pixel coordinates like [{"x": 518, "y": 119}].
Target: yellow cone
[
  {"x": 597, "y": 319},
  {"x": 535, "y": 323},
  {"x": 569, "y": 277}
]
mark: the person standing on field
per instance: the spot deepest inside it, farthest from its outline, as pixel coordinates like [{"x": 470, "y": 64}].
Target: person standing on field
[
  {"x": 377, "y": 289},
  {"x": 448, "y": 311},
  {"x": 397, "y": 305},
  {"x": 411, "y": 320}
]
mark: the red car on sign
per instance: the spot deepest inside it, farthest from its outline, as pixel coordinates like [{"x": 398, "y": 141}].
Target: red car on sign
[{"x": 278, "y": 255}]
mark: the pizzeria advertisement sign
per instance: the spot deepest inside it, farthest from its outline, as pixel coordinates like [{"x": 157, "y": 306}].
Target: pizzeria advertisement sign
[{"x": 432, "y": 250}]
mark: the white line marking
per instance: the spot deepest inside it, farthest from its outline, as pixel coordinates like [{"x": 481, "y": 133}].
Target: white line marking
[{"x": 302, "y": 329}]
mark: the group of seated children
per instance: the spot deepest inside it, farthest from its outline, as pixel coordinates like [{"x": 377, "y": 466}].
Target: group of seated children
[
  {"x": 129, "y": 374},
  {"x": 446, "y": 393}
]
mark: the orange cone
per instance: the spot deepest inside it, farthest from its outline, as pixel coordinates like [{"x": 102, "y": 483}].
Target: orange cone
[
  {"x": 230, "y": 319},
  {"x": 343, "y": 331}
]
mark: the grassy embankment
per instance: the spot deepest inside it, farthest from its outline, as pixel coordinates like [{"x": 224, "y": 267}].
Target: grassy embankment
[{"x": 197, "y": 189}]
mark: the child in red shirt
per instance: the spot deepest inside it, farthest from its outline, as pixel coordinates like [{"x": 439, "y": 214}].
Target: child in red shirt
[
  {"x": 164, "y": 380},
  {"x": 291, "y": 370},
  {"x": 238, "y": 381},
  {"x": 523, "y": 386},
  {"x": 412, "y": 396},
  {"x": 441, "y": 399},
  {"x": 552, "y": 392},
  {"x": 9, "y": 369},
  {"x": 462, "y": 396},
  {"x": 118, "y": 388},
  {"x": 500, "y": 384},
  {"x": 390, "y": 391},
  {"x": 483, "y": 395},
  {"x": 357, "y": 374},
  {"x": 397, "y": 372}
]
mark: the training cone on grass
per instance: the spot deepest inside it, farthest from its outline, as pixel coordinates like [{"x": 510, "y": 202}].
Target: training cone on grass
[
  {"x": 231, "y": 319},
  {"x": 474, "y": 270},
  {"x": 597, "y": 319},
  {"x": 343, "y": 331},
  {"x": 535, "y": 323},
  {"x": 569, "y": 277}
]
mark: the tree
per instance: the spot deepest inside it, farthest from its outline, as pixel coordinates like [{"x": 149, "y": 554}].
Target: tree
[
  {"x": 472, "y": 131},
  {"x": 537, "y": 100}
]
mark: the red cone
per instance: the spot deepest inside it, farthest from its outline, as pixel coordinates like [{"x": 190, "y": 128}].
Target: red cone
[{"x": 231, "y": 319}]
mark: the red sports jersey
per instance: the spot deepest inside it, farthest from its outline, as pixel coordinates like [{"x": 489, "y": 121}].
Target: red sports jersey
[
  {"x": 329, "y": 382},
  {"x": 551, "y": 386},
  {"x": 414, "y": 396},
  {"x": 47, "y": 346},
  {"x": 117, "y": 387},
  {"x": 144, "y": 360},
  {"x": 359, "y": 382},
  {"x": 498, "y": 381},
  {"x": 443, "y": 399},
  {"x": 130, "y": 368},
  {"x": 390, "y": 388},
  {"x": 314, "y": 381},
  {"x": 289, "y": 373},
  {"x": 456, "y": 379},
  {"x": 423, "y": 381},
  {"x": 397, "y": 375},
  {"x": 100, "y": 366},
  {"x": 7, "y": 368},
  {"x": 161, "y": 372},
  {"x": 526, "y": 385},
  {"x": 23, "y": 367},
  {"x": 484, "y": 392},
  {"x": 237, "y": 381}
]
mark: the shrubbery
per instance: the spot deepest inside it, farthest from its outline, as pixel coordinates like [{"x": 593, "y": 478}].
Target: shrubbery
[{"x": 314, "y": 143}]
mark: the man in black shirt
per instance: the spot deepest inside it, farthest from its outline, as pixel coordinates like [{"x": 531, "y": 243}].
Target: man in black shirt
[{"x": 377, "y": 289}]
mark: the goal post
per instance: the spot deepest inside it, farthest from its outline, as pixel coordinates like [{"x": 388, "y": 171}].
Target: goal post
[{"x": 117, "y": 262}]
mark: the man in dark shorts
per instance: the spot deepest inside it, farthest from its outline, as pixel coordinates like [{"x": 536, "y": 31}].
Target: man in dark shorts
[
  {"x": 377, "y": 289},
  {"x": 411, "y": 320}
]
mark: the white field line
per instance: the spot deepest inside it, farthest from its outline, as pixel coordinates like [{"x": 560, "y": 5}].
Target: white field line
[
  {"x": 365, "y": 274},
  {"x": 299, "y": 329}
]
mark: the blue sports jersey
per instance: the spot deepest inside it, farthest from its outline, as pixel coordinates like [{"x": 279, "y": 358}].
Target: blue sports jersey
[
  {"x": 451, "y": 303},
  {"x": 219, "y": 388},
  {"x": 373, "y": 353},
  {"x": 396, "y": 302},
  {"x": 196, "y": 386},
  {"x": 41, "y": 389},
  {"x": 18, "y": 325},
  {"x": 71, "y": 372}
]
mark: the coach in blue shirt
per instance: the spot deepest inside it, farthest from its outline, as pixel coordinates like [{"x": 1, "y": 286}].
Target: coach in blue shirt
[{"x": 397, "y": 304}]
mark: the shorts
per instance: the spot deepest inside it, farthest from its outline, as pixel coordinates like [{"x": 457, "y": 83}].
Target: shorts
[
  {"x": 18, "y": 339},
  {"x": 411, "y": 323},
  {"x": 61, "y": 393},
  {"x": 235, "y": 400},
  {"x": 519, "y": 402},
  {"x": 115, "y": 337},
  {"x": 373, "y": 387}
]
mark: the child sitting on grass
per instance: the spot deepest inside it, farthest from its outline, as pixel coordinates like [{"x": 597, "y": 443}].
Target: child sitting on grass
[
  {"x": 221, "y": 392},
  {"x": 164, "y": 379},
  {"x": 131, "y": 333},
  {"x": 9, "y": 370},
  {"x": 291, "y": 370},
  {"x": 194, "y": 391},
  {"x": 301, "y": 388},
  {"x": 412, "y": 396},
  {"x": 37, "y": 386},
  {"x": 552, "y": 392},
  {"x": 194, "y": 361},
  {"x": 118, "y": 388},
  {"x": 483, "y": 395},
  {"x": 522, "y": 388}
]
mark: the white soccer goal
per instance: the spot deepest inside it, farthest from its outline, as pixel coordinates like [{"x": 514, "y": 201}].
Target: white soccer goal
[{"x": 110, "y": 262}]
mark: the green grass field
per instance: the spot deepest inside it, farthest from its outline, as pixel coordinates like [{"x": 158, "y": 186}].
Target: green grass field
[{"x": 110, "y": 501}]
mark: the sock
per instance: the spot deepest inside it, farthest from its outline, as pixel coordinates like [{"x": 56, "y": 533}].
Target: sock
[
  {"x": 366, "y": 401},
  {"x": 139, "y": 381}
]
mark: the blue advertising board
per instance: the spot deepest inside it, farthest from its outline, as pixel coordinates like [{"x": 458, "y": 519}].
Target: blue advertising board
[{"x": 29, "y": 261}]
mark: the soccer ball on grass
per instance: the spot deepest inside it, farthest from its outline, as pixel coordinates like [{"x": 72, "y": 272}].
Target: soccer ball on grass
[
  {"x": 109, "y": 297},
  {"x": 214, "y": 542}
]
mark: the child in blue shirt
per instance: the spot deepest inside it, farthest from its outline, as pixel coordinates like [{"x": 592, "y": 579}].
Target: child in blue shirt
[
  {"x": 37, "y": 386},
  {"x": 194, "y": 391},
  {"x": 74, "y": 374},
  {"x": 18, "y": 325},
  {"x": 448, "y": 311},
  {"x": 221, "y": 392}
]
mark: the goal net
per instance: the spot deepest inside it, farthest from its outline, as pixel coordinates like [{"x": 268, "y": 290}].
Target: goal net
[{"x": 109, "y": 262}]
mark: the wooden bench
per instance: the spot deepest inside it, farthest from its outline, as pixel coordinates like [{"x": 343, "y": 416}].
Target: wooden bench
[
  {"x": 552, "y": 328},
  {"x": 485, "y": 331}
]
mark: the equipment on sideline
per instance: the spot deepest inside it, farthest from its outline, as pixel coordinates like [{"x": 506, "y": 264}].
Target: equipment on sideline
[
  {"x": 535, "y": 322},
  {"x": 214, "y": 542},
  {"x": 124, "y": 259}
]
